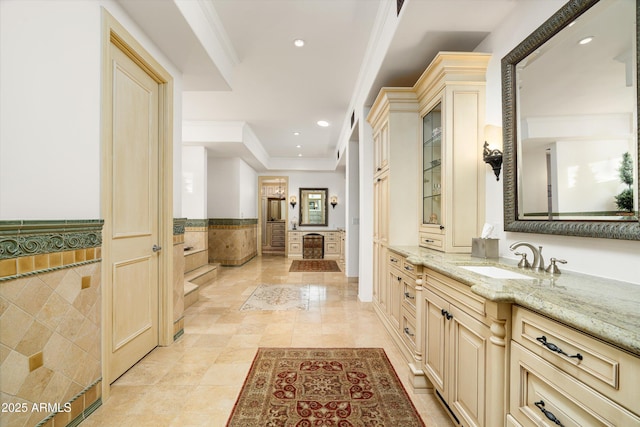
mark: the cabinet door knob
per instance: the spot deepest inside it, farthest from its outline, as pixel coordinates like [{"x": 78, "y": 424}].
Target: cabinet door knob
[
  {"x": 442, "y": 227},
  {"x": 406, "y": 331}
]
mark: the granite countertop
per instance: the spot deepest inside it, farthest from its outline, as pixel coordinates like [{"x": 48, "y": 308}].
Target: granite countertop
[{"x": 604, "y": 308}]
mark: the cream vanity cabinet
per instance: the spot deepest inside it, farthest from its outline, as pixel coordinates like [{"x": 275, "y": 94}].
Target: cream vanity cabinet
[
  {"x": 396, "y": 126},
  {"x": 464, "y": 339},
  {"x": 451, "y": 95},
  {"x": 332, "y": 246},
  {"x": 400, "y": 294},
  {"x": 560, "y": 376}
]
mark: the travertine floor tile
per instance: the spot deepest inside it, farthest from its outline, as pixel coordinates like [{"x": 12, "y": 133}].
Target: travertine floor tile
[{"x": 196, "y": 381}]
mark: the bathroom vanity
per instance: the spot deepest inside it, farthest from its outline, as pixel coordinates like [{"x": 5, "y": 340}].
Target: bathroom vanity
[{"x": 500, "y": 344}]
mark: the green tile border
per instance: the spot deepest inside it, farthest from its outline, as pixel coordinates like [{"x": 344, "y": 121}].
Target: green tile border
[
  {"x": 233, "y": 221},
  {"x": 88, "y": 411},
  {"x": 178, "y": 226},
  {"x": 197, "y": 223},
  {"x": 85, "y": 413},
  {"x": 26, "y": 238}
]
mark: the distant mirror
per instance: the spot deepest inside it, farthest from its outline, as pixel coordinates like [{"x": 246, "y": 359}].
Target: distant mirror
[
  {"x": 276, "y": 208},
  {"x": 313, "y": 206}
]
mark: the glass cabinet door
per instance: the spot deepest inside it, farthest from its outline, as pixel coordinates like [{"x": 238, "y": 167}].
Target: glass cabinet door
[{"x": 431, "y": 166}]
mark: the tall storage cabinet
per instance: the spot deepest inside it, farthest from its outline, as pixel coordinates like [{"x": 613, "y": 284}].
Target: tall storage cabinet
[
  {"x": 451, "y": 96},
  {"x": 396, "y": 132},
  {"x": 396, "y": 128}
]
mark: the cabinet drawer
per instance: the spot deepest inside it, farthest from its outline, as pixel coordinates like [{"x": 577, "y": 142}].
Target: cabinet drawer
[
  {"x": 408, "y": 329},
  {"x": 332, "y": 237},
  {"x": 395, "y": 260},
  {"x": 597, "y": 364},
  {"x": 429, "y": 240},
  {"x": 409, "y": 295},
  {"x": 295, "y": 248},
  {"x": 540, "y": 394},
  {"x": 409, "y": 269},
  {"x": 295, "y": 237},
  {"x": 332, "y": 247},
  {"x": 457, "y": 293}
]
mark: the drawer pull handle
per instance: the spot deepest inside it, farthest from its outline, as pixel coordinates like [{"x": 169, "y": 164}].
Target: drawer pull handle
[
  {"x": 406, "y": 331},
  {"x": 446, "y": 314},
  {"x": 393, "y": 260},
  {"x": 557, "y": 349},
  {"x": 406, "y": 294},
  {"x": 428, "y": 241},
  {"x": 548, "y": 414},
  {"x": 408, "y": 268}
]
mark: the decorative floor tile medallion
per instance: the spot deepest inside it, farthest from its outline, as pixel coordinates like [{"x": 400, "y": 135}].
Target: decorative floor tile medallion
[{"x": 278, "y": 297}]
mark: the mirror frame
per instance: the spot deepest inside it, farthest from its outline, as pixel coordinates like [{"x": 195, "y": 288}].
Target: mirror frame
[
  {"x": 625, "y": 230},
  {"x": 324, "y": 207}
]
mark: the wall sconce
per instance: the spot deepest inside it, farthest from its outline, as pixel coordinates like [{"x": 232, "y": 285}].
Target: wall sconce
[
  {"x": 334, "y": 201},
  {"x": 293, "y": 201},
  {"x": 493, "y": 156}
]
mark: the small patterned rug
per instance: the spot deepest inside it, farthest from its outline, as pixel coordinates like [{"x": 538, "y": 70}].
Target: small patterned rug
[
  {"x": 314, "y": 266},
  {"x": 339, "y": 387},
  {"x": 278, "y": 297}
]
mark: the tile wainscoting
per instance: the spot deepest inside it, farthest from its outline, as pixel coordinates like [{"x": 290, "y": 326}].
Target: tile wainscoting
[
  {"x": 179, "y": 231},
  {"x": 50, "y": 320},
  {"x": 232, "y": 242}
]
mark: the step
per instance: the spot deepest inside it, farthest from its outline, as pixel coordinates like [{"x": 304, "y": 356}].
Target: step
[
  {"x": 191, "y": 293},
  {"x": 202, "y": 275},
  {"x": 195, "y": 259}
]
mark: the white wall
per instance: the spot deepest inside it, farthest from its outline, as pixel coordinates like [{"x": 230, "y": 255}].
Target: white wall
[
  {"x": 352, "y": 209},
  {"x": 232, "y": 186},
  {"x": 194, "y": 182},
  {"x": 334, "y": 181},
  {"x": 615, "y": 259},
  {"x": 50, "y": 80},
  {"x": 248, "y": 183}
]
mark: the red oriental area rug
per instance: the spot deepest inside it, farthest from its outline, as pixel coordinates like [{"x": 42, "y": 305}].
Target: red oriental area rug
[
  {"x": 314, "y": 265},
  {"x": 313, "y": 387}
]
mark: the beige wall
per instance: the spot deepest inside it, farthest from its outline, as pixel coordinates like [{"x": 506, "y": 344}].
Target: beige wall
[{"x": 232, "y": 242}]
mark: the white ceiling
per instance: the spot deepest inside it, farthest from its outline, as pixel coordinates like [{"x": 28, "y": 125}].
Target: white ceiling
[{"x": 277, "y": 89}]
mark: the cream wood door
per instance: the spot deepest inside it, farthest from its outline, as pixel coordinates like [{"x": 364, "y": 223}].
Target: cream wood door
[{"x": 134, "y": 212}]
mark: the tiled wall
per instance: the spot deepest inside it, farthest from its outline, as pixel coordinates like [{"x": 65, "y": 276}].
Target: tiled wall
[
  {"x": 50, "y": 330},
  {"x": 232, "y": 242},
  {"x": 178, "y": 276},
  {"x": 196, "y": 234}
]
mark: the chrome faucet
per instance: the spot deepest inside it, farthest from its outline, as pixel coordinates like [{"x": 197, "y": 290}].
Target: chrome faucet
[{"x": 538, "y": 260}]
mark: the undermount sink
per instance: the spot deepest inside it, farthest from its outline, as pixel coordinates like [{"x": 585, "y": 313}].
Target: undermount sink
[{"x": 496, "y": 272}]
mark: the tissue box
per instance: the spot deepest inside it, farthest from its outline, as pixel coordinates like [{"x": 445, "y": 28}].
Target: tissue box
[{"x": 484, "y": 248}]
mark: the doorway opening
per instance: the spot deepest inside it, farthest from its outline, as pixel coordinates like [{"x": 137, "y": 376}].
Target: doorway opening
[{"x": 273, "y": 215}]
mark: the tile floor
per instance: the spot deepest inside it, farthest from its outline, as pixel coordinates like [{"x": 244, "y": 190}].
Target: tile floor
[{"x": 196, "y": 381}]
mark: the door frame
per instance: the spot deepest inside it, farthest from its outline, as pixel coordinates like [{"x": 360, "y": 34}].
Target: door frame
[
  {"x": 113, "y": 31},
  {"x": 263, "y": 180}
]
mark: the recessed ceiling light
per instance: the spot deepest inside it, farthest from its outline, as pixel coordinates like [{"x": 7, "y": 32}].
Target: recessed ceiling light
[
  {"x": 298, "y": 146},
  {"x": 323, "y": 123},
  {"x": 298, "y": 42},
  {"x": 299, "y": 154},
  {"x": 586, "y": 40},
  {"x": 296, "y": 133}
]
